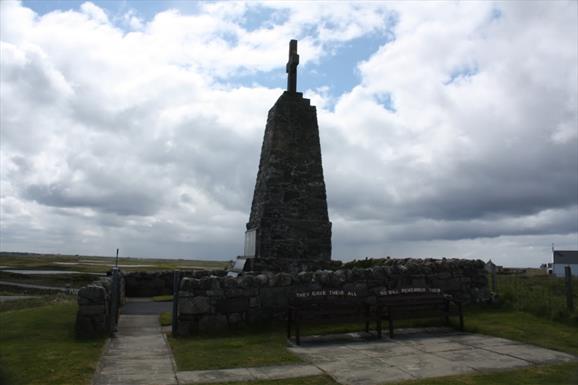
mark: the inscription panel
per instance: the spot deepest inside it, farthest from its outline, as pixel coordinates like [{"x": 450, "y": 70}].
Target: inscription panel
[{"x": 250, "y": 242}]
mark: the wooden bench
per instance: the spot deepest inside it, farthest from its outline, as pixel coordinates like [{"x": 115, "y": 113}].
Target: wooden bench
[
  {"x": 415, "y": 303},
  {"x": 327, "y": 306}
]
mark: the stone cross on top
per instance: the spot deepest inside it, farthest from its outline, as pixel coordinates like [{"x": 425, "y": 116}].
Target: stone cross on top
[{"x": 292, "y": 67}]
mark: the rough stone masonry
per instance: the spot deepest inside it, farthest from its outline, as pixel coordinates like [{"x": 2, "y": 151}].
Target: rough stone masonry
[{"x": 289, "y": 217}]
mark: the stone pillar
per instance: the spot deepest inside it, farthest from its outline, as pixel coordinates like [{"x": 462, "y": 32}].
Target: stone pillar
[{"x": 289, "y": 210}]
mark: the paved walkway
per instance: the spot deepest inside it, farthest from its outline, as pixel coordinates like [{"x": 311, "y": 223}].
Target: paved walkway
[
  {"x": 420, "y": 354},
  {"x": 356, "y": 359},
  {"x": 140, "y": 355},
  {"x": 248, "y": 374},
  {"x": 137, "y": 355}
]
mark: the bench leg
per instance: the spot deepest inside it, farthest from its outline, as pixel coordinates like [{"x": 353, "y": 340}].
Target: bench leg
[
  {"x": 367, "y": 319},
  {"x": 289, "y": 325},
  {"x": 297, "y": 333},
  {"x": 390, "y": 322}
]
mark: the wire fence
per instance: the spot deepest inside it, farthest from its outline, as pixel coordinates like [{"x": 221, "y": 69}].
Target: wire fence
[{"x": 541, "y": 295}]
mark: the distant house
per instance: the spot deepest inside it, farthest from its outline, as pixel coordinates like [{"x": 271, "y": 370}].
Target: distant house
[{"x": 563, "y": 258}]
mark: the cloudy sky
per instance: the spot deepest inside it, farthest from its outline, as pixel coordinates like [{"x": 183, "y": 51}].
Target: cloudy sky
[{"x": 447, "y": 129}]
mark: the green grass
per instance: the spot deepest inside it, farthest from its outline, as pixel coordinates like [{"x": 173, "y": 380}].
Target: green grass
[
  {"x": 539, "y": 294},
  {"x": 41, "y": 300},
  {"x": 234, "y": 349},
  {"x": 524, "y": 327},
  {"x": 163, "y": 298},
  {"x": 166, "y": 318},
  {"x": 37, "y": 347},
  {"x": 56, "y": 280}
]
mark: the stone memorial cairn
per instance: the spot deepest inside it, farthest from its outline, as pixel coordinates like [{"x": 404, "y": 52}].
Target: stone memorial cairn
[{"x": 289, "y": 225}]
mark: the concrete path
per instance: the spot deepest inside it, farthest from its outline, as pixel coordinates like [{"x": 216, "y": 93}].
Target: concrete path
[
  {"x": 140, "y": 355},
  {"x": 359, "y": 359},
  {"x": 420, "y": 354},
  {"x": 137, "y": 355},
  {"x": 145, "y": 307},
  {"x": 248, "y": 374}
]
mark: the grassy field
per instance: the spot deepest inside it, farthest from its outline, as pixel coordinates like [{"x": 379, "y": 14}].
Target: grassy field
[
  {"x": 537, "y": 293},
  {"x": 98, "y": 264},
  {"x": 37, "y": 346},
  {"x": 89, "y": 265},
  {"x": 524, "y": 327}
]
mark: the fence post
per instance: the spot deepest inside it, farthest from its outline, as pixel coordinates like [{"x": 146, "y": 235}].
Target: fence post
[
  {"x": 114, "y": 299},
  {"x": 569, "y": 292},
  {"x": 176, "y": 282},
  {"x": 494, "y": 279}
]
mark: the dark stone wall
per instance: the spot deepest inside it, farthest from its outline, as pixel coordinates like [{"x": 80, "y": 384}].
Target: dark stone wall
[
  {"x": 289, "y": 208},
  {"x": 289, "y": 265},
  {"x": 153, "y": 283},
  {"x": 203, "y": 301},
  {"x": 94, "y": 307}
]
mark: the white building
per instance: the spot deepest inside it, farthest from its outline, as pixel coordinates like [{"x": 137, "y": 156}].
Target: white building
[{"x": 563, "y": 258}]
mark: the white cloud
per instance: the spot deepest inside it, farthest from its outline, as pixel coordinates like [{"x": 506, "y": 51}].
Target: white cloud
[
  {"x": 462, "y": 129},
  {"x": 94, "y": 12}
]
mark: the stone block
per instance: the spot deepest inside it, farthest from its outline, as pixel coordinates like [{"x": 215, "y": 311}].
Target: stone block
[
  {"x": 254, "y": 302},
  {"x": 305, "y": 277},
  {"x": 262, "y": 280},
  {"x": 92, "y": 309},
  {"x": 195, "y": 305},
  {"x": 247, "y": 281},
  {"x": 281, "y": 280},
  {"x": 230, "y": 283},
  {"x": 215, "y": 293},
  {"x": 92, "y": 294},
  {"x": 274, "y": 297}
]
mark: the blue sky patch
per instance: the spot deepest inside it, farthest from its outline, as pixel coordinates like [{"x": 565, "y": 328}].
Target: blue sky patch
[
  {"x": 464, "y": 72},
  {"x": 385, "y": 100},
  {"x": 258, "y": 16}
]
